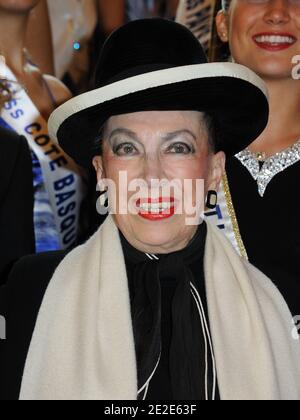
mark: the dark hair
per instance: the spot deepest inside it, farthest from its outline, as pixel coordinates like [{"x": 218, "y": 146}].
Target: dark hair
[
  {"x": 226, "y": 4},
  {"x": 208, "y": 120},
  {"x": 97, "y": 144},
  {"x": 5, "y": 94},
  {"x": 212, "y": 130},
  {"x": 219, "y": 51}
]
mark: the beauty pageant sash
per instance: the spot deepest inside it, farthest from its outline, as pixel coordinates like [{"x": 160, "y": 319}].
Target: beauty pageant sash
[
  {"x": 224, "y": 217},
  {"x": 63, "y": 181}
]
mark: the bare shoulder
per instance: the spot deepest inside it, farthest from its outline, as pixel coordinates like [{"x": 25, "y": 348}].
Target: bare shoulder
[{"x": 60, "y": 91}]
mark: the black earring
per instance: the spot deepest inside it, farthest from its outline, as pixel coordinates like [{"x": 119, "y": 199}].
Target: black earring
[{"x": 212, "y": 200}]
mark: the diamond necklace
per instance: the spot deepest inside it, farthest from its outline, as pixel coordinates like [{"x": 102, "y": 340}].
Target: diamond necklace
[{"x": 264, "y": 170}]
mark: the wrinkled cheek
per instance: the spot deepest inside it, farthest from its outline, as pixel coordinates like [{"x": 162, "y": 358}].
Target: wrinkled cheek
[
  {"x": 120, "y": 174},
  {"x": 192, "y": 182},
  {"x": 116, "y": 168}
]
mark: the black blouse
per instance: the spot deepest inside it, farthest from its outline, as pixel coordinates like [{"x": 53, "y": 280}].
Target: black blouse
[
  {"x": 269, "y": 226},
  {"x": 180, "y": 374}
]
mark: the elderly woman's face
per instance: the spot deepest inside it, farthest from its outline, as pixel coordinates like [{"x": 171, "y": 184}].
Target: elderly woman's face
[
  {"x": 264, "y": 35},
  {"x": 158, "y": 148}
]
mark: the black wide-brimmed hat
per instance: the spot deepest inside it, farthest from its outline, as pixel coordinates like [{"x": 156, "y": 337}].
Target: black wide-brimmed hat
[{"x": 158, "y": 65}]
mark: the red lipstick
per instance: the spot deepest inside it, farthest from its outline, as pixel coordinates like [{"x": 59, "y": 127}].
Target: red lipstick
[
  {"x": 274, "y": 41},
  {"x": 156, "y": 209}
]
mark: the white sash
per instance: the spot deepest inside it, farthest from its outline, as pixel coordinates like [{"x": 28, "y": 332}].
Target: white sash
[
  {"x": 224, "y": 217},
  {"x": 63, "y": 182}
]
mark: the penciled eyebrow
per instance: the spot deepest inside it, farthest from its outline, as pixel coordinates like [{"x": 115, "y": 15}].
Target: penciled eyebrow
[
  {"x": 123, "y": 131},
  {"x": 172, "y": 136},
  {"x": 165, "y": 138}
]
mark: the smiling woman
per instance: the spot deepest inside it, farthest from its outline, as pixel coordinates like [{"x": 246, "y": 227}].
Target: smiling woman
[
  {"x": 178, "y": 146},
  {"x": 256, "y": 28},
  {"x": 151, "y": 307},
  {"x": 264, "y": 35}
]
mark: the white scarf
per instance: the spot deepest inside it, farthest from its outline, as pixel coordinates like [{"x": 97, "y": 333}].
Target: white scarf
[{"x": 83, "y": 345}]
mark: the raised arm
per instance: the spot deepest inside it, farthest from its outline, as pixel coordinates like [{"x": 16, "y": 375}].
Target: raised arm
[
  {"x": 39, "y": 38},
  {"x": 111, "y": 14}
]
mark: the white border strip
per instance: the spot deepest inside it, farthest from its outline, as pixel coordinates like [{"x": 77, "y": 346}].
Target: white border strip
[{"x": 148, "y": 81}]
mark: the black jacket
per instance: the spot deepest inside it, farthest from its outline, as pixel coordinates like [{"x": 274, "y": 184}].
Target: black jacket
[
  {"x": 269, "y": 226},
  {"x": 16, "y": 201},
  {"x": 20, "y": 300}
]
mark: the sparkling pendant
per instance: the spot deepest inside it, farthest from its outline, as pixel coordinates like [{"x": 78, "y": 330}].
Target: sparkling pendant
[{"x": 261, "y": 156}]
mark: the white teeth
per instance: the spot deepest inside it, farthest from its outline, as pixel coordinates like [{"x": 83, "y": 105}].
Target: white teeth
[
  {"x": 156, "y": 207},
  {"x": 274, "y": 39}
]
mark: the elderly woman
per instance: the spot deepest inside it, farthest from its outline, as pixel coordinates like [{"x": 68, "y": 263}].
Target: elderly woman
[{"x": 153, "y": 306}]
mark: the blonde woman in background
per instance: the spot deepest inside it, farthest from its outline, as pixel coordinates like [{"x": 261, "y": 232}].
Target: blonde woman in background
[{"x": 259, "y": 209}]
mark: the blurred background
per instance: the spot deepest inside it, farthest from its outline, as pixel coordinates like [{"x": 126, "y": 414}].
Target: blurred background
[{"x": 65, "y": 37}]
